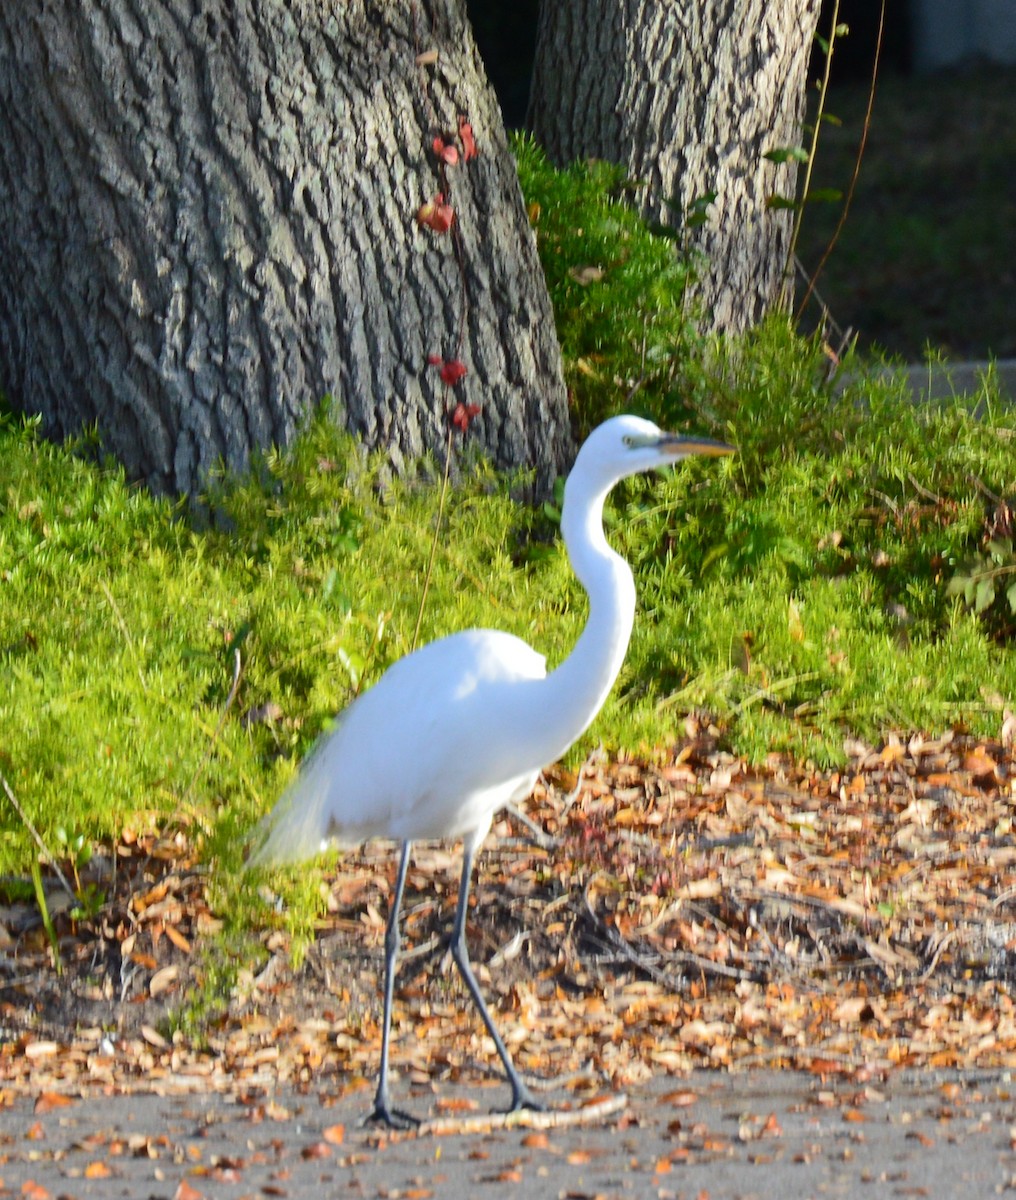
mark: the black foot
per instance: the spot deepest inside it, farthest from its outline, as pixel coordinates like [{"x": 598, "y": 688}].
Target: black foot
[
  {"x": 522, "y": 1097},
  {"x": 394, "y": 1118}
]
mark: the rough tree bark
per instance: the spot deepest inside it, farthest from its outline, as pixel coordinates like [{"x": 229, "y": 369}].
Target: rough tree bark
[
  {"x": 207, "y": 222},
  {"x": 688, "y": 95}
]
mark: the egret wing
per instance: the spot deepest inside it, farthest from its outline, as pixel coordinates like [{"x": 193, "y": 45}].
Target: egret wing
[{"x": 404, "y": 761}]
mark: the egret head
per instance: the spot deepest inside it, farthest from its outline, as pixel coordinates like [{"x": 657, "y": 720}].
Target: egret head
[{"x": 625, "y": 445}]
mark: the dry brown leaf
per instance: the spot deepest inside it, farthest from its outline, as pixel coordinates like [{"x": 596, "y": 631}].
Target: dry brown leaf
[
  {"x": 37, "y": 1050},
  {"x": 334, "y": 1135},
  {"x": 456, "y": 1104},
  {"x": 31, "y": 1190},
  {"x": 178, "y": 939},
  {"x": 46, "y": 1101},
  {"x": 979, "y": 763},
  {"x": 163, "y": 980},
  {"x": 586, "y": 275},
  {"x": 680, "y": 1099}
]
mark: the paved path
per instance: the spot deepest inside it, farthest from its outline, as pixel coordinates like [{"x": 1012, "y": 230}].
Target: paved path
[
  {"x": 943, "y": 380},
  {"x": 760, "y": 1134}
]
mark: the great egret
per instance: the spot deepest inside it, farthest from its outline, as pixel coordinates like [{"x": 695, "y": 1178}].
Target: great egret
[{"x": 464, "y": 725}]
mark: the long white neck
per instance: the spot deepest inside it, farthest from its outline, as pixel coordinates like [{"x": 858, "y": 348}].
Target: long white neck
[{"x": 561, "y": 707}]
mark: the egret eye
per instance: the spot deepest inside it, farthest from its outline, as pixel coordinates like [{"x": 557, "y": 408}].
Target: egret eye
[{"x": 628, "y": 440}]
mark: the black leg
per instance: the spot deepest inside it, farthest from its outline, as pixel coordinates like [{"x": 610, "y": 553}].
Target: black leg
[
  {"x": 522, "y": 1097},
  {"x": 383, "y": 1110}
]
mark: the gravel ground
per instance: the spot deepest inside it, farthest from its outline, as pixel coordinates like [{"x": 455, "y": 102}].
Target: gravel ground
[{"x": 758, "y": 1134}]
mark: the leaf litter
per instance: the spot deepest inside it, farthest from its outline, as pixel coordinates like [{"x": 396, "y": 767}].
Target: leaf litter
[{"x": 693, "y": 911}]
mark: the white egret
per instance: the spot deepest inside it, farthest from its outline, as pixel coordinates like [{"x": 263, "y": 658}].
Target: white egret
[{"x": 464, "y": 725}]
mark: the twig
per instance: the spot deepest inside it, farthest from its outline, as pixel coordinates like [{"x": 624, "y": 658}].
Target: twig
[
  {"x": 922, "y": 490},
  {"x": 595, "y": 756},
  {"x": 43, "y": 849},
  {"x": 852, "y": 186},
  {"x": 809, "y": 166},
  {"x": 946, "y": 940},
  {"x": 539, "y": 836},
  {"x": 524, "y": 1118},
  {"x": 781, "y": 685},
  {"x": 684, "y": 958}
]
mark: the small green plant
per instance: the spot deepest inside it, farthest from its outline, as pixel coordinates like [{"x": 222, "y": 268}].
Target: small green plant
[
  {"x": 78, "y": 850},
  {"x": 47, "y": 920},
  {"x": 619, "y": 289},
  {"x": 987, "y": 583}
]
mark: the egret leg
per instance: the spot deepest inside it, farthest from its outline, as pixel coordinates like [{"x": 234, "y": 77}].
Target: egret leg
[
  {"x": 522, "y": 1097},
  {"x": 383, "y": 1110}
]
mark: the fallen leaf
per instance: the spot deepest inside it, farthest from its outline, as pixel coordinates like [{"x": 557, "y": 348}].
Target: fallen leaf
[
  {"x": 178, "y": 939},
  {"x": 154, "y": 1038},
  {"x": 456, "y": 1104},
  {"x": 163, "y": 980},
  {"x": 772, "y": 1127},
  {"x": 35, "y": 1050},
  {"x": 979, "y": 763},
  {"x": 586, "y": 275},
  {"x": 680, "y": 1099}
]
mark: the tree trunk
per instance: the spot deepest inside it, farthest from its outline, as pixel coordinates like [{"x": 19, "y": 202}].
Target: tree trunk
[
  {"x": 208, "y": 222},
  {"x": 688, "y": 95}
]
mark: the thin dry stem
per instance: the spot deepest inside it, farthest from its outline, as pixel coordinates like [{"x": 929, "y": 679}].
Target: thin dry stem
[
  {"x": 812, "y": 149},
  {"x": 852, "y": 186},
  {"x": 37, "y": 837}
]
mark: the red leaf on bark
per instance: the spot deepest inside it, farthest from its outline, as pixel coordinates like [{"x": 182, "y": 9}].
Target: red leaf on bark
[
  {"x": 466, "y": 138},
  {"x": 436, "y": 214},
  {"x": 452, "y": 372},
  {"x": 463, "y": 415},
  {"x": 445, "y": 151}
]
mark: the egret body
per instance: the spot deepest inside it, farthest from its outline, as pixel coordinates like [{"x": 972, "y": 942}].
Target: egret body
[{"x": 463, "y": 726}]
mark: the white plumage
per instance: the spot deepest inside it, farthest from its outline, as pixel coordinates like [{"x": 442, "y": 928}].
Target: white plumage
[
  {"x": 352, "y": 788},
  {"x": 463, "y": 726}
]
